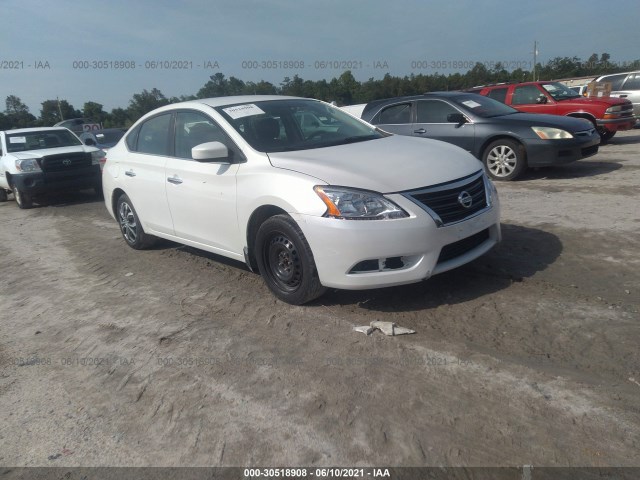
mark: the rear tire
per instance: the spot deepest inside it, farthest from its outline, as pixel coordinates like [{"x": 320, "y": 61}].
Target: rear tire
[
  {"x": 23, "y": 199},
  {"x": 3, "y": 195},
  {"x": 504, "y": 159},
  {"x": 286, "y": 262},
  {"x": 130, "y": 225}
]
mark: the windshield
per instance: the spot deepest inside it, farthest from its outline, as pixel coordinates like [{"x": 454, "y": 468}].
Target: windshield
[
  {"x": 286, "y": 125},
  {"x": 482, "y": 106},
  {"x": 560, "y": 91},
  {"x": 38, "y": 140}
]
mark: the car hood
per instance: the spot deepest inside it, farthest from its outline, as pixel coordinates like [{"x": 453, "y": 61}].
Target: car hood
[
  {"x": 384, "y": 165},
  {"x": 50, "y": 151},
  {"x": 590, "y": 101},
  {"x": 569, "y": 124}
]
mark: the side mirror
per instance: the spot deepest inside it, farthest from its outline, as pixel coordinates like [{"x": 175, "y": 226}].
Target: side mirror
[
  {"x": 90, "y": 142},
  {"x": 211, "y": 152},
  {"x": 542, "y": 99},
  {"x": 456, "y": 118}
]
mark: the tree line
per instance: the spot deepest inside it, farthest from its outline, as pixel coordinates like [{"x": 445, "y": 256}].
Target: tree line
[{"x": 344, "y": 90}]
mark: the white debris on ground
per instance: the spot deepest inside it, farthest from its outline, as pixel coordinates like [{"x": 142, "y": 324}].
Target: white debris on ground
[{"x": 388, "y": 328}]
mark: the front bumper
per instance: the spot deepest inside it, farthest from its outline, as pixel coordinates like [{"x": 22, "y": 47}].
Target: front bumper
[
  {"x": 542, "y": 153},
  {"x": 42, "y": 182},
  {"x": 406, "y": 250},
  {"x": 616, "y": 124}
]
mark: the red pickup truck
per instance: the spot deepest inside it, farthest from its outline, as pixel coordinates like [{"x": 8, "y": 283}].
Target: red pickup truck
[{"x": 607, "y": 114}]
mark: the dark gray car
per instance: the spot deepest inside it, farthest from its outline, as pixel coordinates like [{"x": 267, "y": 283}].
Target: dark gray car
[{"x": 507, "y": 141}]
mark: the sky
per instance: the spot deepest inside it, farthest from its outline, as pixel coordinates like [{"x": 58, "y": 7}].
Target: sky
[{"x": 107, "y": 51}]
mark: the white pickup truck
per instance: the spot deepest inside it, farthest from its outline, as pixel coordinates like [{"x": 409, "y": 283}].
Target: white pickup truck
[{"x": 41, "y": 160}]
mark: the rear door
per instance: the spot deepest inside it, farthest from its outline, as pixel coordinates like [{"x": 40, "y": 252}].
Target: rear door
[
  {"x": 395, "y": 118},
  {"x": 142, "y": 172}
]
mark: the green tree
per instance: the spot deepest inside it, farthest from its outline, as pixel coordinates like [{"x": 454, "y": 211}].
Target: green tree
[
  {"x": 17, "y": 113},
  {"x": 144, "y": 102},
  {"x": 93, "y": 111},
  {"x": 50, "y": 112}
]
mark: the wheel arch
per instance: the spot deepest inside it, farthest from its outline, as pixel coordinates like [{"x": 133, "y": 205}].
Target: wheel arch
[
  {"x": 494, "y": 138},
  {"x": 115, "y": 195},
  {"x": 585, "y": 115},
  {"x": 257, "y": 218}
]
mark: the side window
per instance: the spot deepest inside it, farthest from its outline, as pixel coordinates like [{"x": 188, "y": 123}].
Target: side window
[
  {"x": 194, "y": 128},
  {"x": 615, "y": 81},
  {"x": 395, "y": 114},
  {"x": 499, "y": 94},
  {"x": 526, "y": 94},
  {"x": 153, "y": 137},
  {"x": 132, "y": 139},
  {"x": 434, "y": 111},
  {"x": 633, "y": 82}
]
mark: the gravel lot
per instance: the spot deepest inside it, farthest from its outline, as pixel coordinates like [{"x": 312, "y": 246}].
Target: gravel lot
[{"x": 170, "y": 357}]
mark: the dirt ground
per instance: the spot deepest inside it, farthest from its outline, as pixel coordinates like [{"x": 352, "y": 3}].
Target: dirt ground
[{"x": 170, "y": 357}]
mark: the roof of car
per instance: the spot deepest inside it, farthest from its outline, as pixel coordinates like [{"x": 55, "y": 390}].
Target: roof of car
[
  {"x": 35, "y": 129},
  {"x": 378, "y": 103},
  {"x": 234, "y": 100}
]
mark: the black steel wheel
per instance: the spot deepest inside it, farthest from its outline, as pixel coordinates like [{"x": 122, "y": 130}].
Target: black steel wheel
[{"x": 286, "y": 262}]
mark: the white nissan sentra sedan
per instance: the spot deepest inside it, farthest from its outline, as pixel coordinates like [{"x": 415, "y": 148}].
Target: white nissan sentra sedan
[{"x": 337, "y": 203}]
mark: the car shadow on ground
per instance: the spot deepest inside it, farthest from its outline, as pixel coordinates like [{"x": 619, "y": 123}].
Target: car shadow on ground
[
  {"x": 523, "y": 252},
  {"x": 622, "y": 140},
  {"x": 64, "y": 199},
  {"x": 579, "y": 169}
]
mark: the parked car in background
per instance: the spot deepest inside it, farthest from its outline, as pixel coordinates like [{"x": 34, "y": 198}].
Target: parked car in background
[
  {"x": 507, "y": 141},
  {"x": 608, "y": 115},
  {"x": 79, "y": 125},
  {"x": 580, "y": 89},
  {"x": 625, "y": 85},
  {"x": 42, "y": 160},
  {"x": 103, "y": 139},
  {"x": 350, "y": 208}
]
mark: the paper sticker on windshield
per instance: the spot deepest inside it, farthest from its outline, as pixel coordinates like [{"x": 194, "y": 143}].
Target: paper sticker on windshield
[
  {"x": 471, "y": 104},
  {"x": 240, "y": 111},
  {"x": 550, "y": 88},
  {"x": 17, "y": 139},
  {"x": 99, "y": 135}
]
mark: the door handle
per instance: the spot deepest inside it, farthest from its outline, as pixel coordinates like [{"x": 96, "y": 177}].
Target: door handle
[
  {"x": 176, "y": 180},
  {"x": 130, "y": 173},
  {"x": 420, "y": 130}
]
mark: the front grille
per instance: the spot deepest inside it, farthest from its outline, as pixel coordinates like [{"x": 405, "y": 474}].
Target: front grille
[
  {"x": 585, "y": 133},
  {"x": 443, "y": 200},
  {"x": 62, "y": 162},
  {"x": 461, "y": 247}
]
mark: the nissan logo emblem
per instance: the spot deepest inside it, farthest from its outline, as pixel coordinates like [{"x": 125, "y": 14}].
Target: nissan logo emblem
[
  {"x": 465, "y": 199},
  {"x": 66, "y": 162}
]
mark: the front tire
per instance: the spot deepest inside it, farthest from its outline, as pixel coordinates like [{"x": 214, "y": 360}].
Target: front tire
[
  {"x": 3, "y": 195},
  {"x": 504, "y": 159},
  {"x": 286, "y": 262},
  {"x": 605, "y": 135},
  {"x": 130, "y": 225},
  {"x": 23, "y": 199}
]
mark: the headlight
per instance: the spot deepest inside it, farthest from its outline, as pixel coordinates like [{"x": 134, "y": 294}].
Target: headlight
[
  {"x": 547, "y": 133},
  {"x": 616, "y": 109},
  {"x": 357, "y": 204},
  {"x": 28, "y": 166},
  {"x": 492, "y": 192}
]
